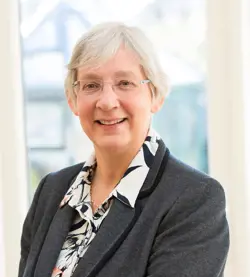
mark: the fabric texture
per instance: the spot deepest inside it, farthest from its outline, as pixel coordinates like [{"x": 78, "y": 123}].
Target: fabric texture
[
  {"x": 178, "y": 226},
  {"x": 86, "y": 224}
]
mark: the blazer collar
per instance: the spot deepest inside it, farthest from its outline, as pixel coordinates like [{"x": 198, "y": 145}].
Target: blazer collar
[
  {"x": 57, "y": 233},
  {"x": 156, "y": 171},
  {"x": 112, "y": 232}
]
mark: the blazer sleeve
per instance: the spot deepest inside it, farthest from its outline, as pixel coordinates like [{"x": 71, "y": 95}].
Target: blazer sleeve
[
  {"x": 193, "y": 238},
  {"x": 27, "y": 232}
]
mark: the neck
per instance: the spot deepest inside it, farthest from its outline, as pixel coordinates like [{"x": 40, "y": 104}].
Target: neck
[{"x": 112, "y": 166}]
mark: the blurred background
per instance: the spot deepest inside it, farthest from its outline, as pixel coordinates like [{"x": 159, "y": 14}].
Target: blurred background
[{"x": 203, "y": 46}]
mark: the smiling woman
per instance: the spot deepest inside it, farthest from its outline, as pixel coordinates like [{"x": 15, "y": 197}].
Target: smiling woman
[
  {"x": 132, "y": 208},
  {"x": 117, "y": 92}
]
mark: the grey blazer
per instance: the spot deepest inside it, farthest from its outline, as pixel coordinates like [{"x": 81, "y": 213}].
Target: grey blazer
[{"x": 178, "y": 227}]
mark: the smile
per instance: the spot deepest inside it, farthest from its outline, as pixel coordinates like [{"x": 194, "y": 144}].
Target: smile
[{"x": 111, "y": 122}]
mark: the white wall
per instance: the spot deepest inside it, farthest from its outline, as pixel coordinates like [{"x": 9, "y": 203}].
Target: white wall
[
  {"x": 13, "y": 185},
  {"x": 228, "y": 67}
]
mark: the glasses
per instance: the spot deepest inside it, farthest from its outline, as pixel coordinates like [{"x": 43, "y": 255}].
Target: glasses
[{"x": 92, "y": 87}]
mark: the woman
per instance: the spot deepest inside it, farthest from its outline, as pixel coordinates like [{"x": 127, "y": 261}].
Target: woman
[{"x": 131, "y": 209}]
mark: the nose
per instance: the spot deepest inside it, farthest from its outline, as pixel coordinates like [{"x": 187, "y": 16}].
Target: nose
[{"x": 108, "y": 99}]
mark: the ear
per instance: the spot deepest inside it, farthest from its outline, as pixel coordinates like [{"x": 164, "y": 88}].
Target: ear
[
  {"x": 73, "y": 105},
  {"x": 157, "y": 103}
]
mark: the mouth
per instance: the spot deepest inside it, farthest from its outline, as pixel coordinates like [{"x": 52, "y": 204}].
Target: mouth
[{"x": 111, "y": 122}]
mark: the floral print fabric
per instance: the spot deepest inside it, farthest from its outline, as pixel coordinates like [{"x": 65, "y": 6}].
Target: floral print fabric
[{"x": 87, "y": 224}]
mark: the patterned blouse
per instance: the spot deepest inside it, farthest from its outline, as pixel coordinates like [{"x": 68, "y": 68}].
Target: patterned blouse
[{"x": 87, "y": 224}]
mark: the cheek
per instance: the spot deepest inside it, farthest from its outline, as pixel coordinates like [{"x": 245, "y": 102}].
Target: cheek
[
  {"x": 84, "y": 108},
  {"x": 139, "y": 109},
  {"x": 85, "y": 114}
]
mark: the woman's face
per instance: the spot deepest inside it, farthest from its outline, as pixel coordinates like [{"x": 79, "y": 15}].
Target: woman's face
[{"x": 113, "y": 107}]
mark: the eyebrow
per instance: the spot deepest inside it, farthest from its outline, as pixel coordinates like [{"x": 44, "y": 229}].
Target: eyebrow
[
  {"x": 90, "y": 76},
  {"x": 120, "y": 73}
]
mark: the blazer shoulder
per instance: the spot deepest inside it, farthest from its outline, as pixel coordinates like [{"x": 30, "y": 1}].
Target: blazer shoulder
[
  {"x": 52, "y": 188},
  {"x": 69, "y": 171},
  {"x": 191, "y": 192},
  {"x": 193, "y": 236},
  {"x": 189, "y": 177},
  {"x": 58, "y": 182}
]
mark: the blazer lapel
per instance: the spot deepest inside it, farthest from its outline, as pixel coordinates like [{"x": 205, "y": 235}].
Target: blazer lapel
[
  {"x": 112, "y": 232},
  {"x": 54, "y": 240},
  {"x": 156, "y": 170},
  {"x": 119, "y": 222}
]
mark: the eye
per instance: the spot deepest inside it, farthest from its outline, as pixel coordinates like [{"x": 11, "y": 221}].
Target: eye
[
  {"x": 126, "y": 84},
  {"x": 90, "y": 86}
]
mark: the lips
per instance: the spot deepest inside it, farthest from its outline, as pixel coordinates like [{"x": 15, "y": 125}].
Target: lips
[{"x": 111, "y": 122}]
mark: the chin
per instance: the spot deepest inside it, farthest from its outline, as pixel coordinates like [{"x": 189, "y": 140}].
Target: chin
[{"x": 113, "y": 144}]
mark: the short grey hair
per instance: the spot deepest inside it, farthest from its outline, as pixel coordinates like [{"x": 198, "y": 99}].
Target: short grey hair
[{"x": 102, "y": 42}]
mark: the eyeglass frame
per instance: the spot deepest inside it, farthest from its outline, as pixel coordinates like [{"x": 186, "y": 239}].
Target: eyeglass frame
[{"x": 141, "y": 82}]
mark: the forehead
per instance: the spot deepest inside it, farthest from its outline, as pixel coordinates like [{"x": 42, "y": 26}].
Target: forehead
[{"x": 125, "y": 63}]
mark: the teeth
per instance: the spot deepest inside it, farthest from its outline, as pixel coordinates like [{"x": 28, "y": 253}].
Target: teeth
[{"x": 106, "y": 122}]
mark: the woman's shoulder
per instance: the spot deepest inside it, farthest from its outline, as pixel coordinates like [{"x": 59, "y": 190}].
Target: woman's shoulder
[
  {"x": 185, "y": 171},
  {"x": 189, "y": 178},
  {"x": 66, "y": 171},
  {"x": 190, "y": 194},
  {"x": 56, "y": 182}
]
